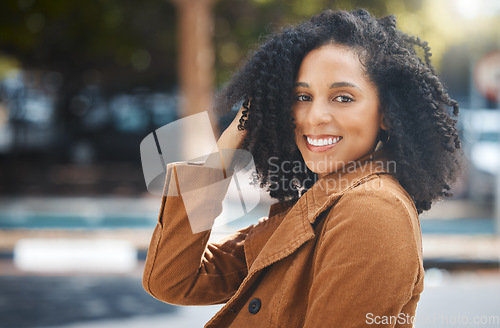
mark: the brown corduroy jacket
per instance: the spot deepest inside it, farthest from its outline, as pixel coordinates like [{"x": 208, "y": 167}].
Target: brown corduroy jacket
[{"x": 348, "y": 253}]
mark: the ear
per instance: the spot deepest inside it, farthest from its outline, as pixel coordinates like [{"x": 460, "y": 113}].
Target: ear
[{"x": 383, "y": 123}]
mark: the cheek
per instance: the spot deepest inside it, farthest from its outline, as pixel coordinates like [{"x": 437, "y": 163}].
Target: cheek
[
  {"x": 363, "y": 125},
  {"x": 355, "y": 124}
]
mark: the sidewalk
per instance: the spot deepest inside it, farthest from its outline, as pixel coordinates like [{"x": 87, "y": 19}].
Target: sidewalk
[
  {"x": 458, "y": 242},
  {"x": 454, "y": 230},
  {"x": 96, "y": 302},
  {"x": 185, "y": 317}
]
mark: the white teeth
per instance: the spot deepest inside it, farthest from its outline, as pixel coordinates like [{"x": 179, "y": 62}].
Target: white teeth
[{"x": 322, "y": 142}]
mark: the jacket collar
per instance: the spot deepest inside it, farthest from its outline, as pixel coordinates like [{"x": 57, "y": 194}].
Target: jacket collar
[
  {"x": 327, "y": 189},
  {"x": 296, "y": 227}
]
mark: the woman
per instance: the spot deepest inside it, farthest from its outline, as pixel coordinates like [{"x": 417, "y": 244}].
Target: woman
[{"x": 346, "y": 97}]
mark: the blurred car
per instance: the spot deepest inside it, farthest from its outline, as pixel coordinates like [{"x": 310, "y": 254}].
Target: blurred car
[
  {"x": 27, "y": 120},
  {"x": 485, "y": 153},
  {"x": 113, "y": 130},
  {"x": 95, "y": 127},
  {"x": 481, "y": 139},
  {"x": 482, "y": 134}
]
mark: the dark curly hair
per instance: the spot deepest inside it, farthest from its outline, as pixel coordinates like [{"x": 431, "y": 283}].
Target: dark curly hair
[{"x": 418, "y": 111}]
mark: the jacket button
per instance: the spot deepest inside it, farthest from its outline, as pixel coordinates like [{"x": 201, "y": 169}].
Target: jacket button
[{"x": 254, "y": 306}]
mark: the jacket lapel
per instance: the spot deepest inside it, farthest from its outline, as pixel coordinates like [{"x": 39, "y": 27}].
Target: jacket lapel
[
  {"x": 292, "y": 232},
  {"x": 296, "y": 226}
]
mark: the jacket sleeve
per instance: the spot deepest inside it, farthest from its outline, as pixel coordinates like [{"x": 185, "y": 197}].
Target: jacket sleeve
[
  {"x": 367, "y": 263},
  {"x": 181, "y": 267}
]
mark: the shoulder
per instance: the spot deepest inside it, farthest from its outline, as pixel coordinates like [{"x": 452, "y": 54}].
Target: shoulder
[
  {"x": 378, "y": 195},
  {"x": 377, "y": 213}
]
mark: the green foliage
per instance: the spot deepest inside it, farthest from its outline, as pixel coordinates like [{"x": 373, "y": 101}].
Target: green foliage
[
  {"x": 240, "y": 25},
  {"x": 121, "y": 43}
]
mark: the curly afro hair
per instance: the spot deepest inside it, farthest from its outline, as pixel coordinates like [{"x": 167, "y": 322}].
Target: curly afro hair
[{"x": 418, "y": 111}]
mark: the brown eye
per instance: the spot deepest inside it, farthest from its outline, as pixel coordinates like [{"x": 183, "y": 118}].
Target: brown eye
[
  {"x": 303, "y": 98},
  {"x": 343, "y": 99}
]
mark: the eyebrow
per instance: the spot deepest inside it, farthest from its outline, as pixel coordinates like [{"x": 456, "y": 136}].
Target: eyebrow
[
  {"x": 332, "y": 86},
  {"x": 343, "y": 84}
]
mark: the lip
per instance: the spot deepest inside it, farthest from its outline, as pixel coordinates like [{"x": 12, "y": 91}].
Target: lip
[{"x": 320, "y": 136}]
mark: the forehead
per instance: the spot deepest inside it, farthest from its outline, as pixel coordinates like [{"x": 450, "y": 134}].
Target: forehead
[{"x": 333, "y": 62}]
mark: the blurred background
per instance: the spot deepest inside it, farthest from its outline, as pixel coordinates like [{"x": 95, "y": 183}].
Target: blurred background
[{"x": 83, "y": 83}]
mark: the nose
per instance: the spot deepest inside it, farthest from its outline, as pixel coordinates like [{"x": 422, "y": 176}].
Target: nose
[{"x": 318, "y": 114}]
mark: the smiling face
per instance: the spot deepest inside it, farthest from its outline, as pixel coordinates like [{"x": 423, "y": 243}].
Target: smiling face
[{"x": 336, "y": 109}]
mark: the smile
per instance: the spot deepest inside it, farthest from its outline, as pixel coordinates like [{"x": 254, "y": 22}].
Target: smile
[{"x": 322, "y": 143}]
